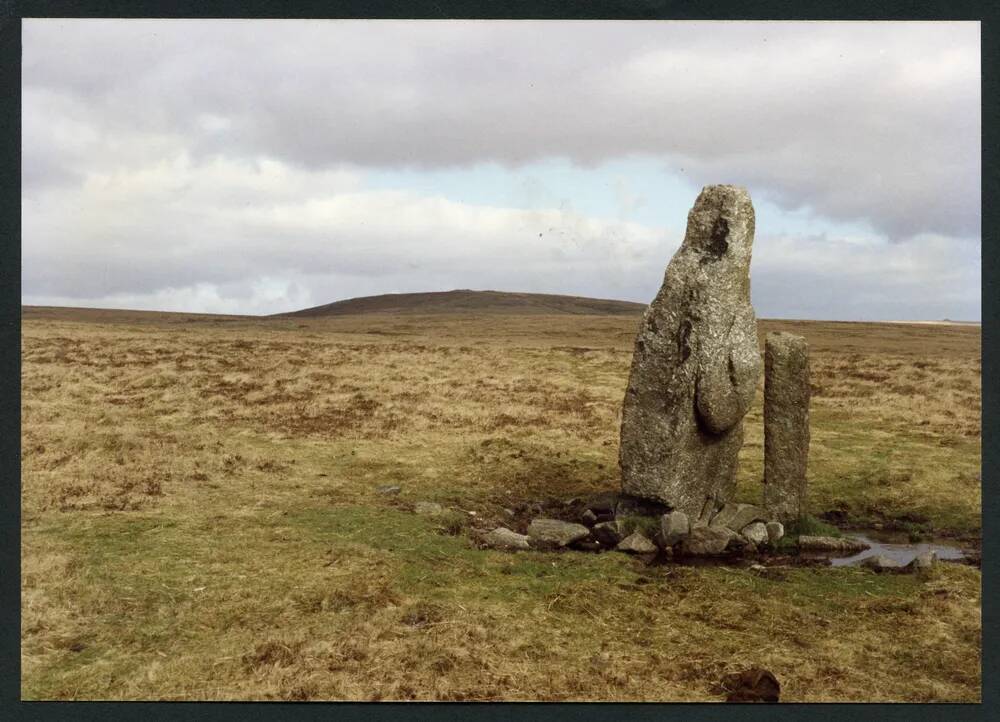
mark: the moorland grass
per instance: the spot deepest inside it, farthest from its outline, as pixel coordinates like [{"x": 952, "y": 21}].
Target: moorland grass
[{"x": 201, "y": 517}]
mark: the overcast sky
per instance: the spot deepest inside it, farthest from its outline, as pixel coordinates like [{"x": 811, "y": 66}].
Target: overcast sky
[{"x": 265, "y": 166}]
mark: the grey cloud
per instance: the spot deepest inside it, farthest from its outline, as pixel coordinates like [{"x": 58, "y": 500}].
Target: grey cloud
[{"x": 870, "y": 122}]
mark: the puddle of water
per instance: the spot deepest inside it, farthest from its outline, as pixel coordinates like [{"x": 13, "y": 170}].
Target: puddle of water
[{"x": 900, "y": 552}]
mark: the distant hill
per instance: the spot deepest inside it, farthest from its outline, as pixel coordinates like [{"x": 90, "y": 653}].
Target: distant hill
[{"x": 465, "y": 301}]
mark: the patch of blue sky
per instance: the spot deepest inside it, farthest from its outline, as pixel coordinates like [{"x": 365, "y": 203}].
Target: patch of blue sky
[{"x": 648, "y": 190}]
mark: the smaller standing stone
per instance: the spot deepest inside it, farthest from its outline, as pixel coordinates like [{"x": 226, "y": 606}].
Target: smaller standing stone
[
  {"x": 555, "y": 533},
  {"x": 775, "y": 531},
  {"x": 755, "y": 533},
  {"x": 636, "y": 543},
  {"x": 786, "y": 424},
  {"x": 674, "y": 527},
  {"x": 502, "y": 538}
]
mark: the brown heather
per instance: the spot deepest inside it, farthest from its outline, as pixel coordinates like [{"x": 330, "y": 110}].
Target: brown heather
[{"x": 201, "y": 520}]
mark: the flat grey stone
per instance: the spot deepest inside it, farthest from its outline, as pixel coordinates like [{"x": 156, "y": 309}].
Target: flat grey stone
[
  {"x": 502, "y": 538},
  {"x": 708, "y": 541},
  {"x": 388, "y": 489},
  {"x": 881, "y": 563},
  {"x": 428, "y": 508},
  {"x": 555, "y": 533},
  {"x": 636, "y": 543},
  {"x": 736, "y": 516}
]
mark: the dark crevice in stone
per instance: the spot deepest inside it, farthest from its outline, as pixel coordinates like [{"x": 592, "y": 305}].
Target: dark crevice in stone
[
  {"x": 683, "y": 333},
  {"x": 719, "y": 242}
]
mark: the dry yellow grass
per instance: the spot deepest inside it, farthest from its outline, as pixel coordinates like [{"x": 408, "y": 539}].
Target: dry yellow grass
[{"x": 201, "y": 520}]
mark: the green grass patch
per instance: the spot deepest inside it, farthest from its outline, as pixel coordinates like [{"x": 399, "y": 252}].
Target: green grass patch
[{"x": 811, "y": 526}]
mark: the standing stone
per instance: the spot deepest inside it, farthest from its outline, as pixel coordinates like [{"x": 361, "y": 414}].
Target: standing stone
[
  {"x": 786, "y": 424},
  {"x": 696, "y": 363}
]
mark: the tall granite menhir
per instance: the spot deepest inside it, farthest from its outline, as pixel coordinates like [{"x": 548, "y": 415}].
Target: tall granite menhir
[
  {"x": 786, "y": 424},
  {"x": 696, "y": 363}
]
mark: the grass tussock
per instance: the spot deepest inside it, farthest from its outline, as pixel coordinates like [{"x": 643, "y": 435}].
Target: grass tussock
[{"x": 202, "y": 520}]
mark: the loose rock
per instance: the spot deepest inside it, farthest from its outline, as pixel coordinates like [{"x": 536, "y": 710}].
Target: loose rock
[
  {"x": 737, "y": 516},
  {"x": 388, "y": 489},
  {"x": 881, "y": 563},
  {"x": 831, "y": 544},
  {"x": 608, "y": 533},
  {"x": 555, "y": 533},
  {"x": 786, "y": 424},
  {"x": 428, "y": 508},
  {"x": 588, "y": 517},
  {"x": 756, "y": 533},
  {"x": 502, "y": 538},
  {"x": 752, "y": 685},
  {"x": 775, "y": 531},
  {"x": 922, "y": 561},
  {"x": 708, "y": 541},
  {"x": 674, "y": 527},
  {"x": 636, "y": 543},
  {"x": 696, "y": 363}
]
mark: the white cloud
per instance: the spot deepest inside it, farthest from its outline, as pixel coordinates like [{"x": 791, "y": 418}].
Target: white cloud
[
  {"x": 217, "y": 222},
  {"x": 264, "y": 237},
  {"x": 193, "y": 162}
]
